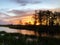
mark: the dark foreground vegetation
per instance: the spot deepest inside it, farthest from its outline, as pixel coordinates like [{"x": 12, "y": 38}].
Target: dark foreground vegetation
[{"x": 19, "y": 39}]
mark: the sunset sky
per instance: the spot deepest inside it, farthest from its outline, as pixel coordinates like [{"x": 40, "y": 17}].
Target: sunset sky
[{"x": 9, "y": 8}]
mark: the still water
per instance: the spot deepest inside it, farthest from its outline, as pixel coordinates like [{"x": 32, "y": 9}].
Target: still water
[
  {"x": 24, "y": 32},
  {"x": 8, "y": 30}
]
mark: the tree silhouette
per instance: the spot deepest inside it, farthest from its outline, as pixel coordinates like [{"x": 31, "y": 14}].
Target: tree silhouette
[
  {"x": 35, "y": 16},
  {"x": 40, "y": 17}
]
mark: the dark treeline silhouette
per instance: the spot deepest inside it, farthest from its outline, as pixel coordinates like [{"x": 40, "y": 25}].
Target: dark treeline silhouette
[
  {"x": 52, "y": 21},
  {"x": 49, "y": 16}
]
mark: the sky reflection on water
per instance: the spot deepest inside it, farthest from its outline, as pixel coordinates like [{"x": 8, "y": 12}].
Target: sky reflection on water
[
  {"x": 24, "y": 32},
  {"x": 8, "y": 30}
]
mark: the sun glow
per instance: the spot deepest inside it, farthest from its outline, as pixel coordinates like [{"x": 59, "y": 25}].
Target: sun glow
[
  {"x": 24, "y": 20},
  {"x": 27, "y": 20},
  {"x": 21, "y": 20}
]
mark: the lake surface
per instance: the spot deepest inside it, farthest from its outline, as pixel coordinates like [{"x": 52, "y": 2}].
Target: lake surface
[
  {"x": 24, "y": 32},
  {"x": 8, "y": 30}
]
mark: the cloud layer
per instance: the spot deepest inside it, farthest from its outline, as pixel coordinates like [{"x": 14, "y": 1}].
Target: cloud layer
[
  {"x": 24, "y": 2},
  {"x": 21, "y": 12},
  {"x": 2, "y": 22},
  {"x": 2, "y": 15}
]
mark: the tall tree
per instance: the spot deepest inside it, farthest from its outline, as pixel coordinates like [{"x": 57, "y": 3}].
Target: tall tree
[
  {"x": 40, "y": 17},
  {"x": 35, "y": 16}
]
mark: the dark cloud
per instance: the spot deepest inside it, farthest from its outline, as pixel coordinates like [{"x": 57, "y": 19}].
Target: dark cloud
[
  {"x": 21, "y": 12},
  {"x": 17, "y": 12},
  {"x": 3, "y": 15},
  {"x": 24, "y": 2}
]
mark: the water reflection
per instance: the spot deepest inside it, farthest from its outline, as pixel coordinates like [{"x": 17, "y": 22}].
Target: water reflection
[
  {"x": 8, "y": 30},
  {"x": 24, "y": 32},
  {"x": 28, "y": 32}
]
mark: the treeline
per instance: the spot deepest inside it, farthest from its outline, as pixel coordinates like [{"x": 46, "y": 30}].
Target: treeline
[{"x": 46, "y": 17}]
